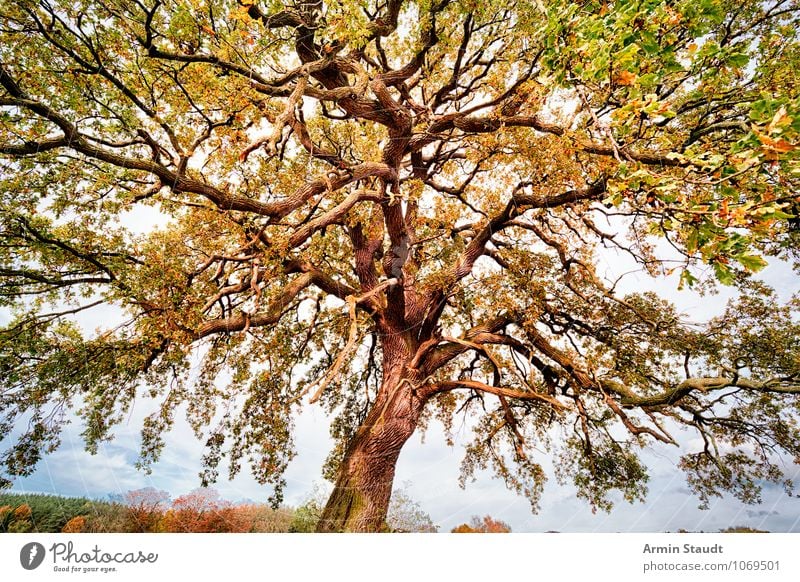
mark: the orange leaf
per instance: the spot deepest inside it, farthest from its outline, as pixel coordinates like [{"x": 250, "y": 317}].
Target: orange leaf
[
  {"x": 625, "y": 78},
  {"x": 780, "y": 146}
]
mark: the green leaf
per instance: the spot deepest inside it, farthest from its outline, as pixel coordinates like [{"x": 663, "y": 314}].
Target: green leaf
[
  {"x": 753, "y": 263},
  {"x": 649, "y": 43},
  {"x": 724, "y": 273},
  {"x": 692, "y": 241},
  {"x": 687, "y": 279},
  {"x": 739, "y": 59}
]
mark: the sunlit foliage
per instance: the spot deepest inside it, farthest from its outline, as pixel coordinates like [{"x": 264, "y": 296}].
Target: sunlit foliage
[{"x": 396, "y": 210}]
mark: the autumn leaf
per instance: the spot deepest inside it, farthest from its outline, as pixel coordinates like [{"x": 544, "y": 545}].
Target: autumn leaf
[
  {"x": 778, "y": 146},
  {"x": 625, "y": 78},
  {"x": 780, "y": 120},
  {"x": 417, "y": 230},
  {"x": 752, "y": 263}
]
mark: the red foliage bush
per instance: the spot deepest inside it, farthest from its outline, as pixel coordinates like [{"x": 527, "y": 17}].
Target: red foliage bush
[{"x": 486, "y": 525}]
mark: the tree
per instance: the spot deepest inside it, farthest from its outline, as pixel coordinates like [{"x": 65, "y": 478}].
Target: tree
[
  {"x": 145, "y": 507},
  {"x": 406, "y": 515},
  {"x": 395, "y": 210},
  {"x": 204, "y": 511},
  {"x": 307, "y": 516},
  {"x": 487, "y": 524}
]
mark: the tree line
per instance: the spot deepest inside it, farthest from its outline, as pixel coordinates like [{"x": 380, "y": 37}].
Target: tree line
[
  {"x": 149, "y": 510},
  {"x": 203, "y": 510}
]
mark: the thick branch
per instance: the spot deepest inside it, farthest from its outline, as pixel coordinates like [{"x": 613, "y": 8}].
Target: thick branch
[
  {"x": 432, "y": 355},
  {"x": 673, "y": 395},
  {"x": 268, "y": 317},
  {"x": 75, "y": 140},
  {"x": 496, "y": 390},
  {"x": 332, "y": 216},
  {"x": 472, "y": 124},
  {"x": 324, "y": 281},
  {"x": 40, "y": 277}
]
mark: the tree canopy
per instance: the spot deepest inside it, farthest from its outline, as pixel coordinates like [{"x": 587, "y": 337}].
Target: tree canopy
[{"x": 397, "y": 210}]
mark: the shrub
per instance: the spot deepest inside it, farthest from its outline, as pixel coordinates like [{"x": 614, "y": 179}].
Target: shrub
[
  {"x": 203, "y": 511},
  {"x": 145, "y": 508},
  {"x": 110, "y": 518},
  {"x": 75, "y": 525},
  {"x": 487, "y": 524},
  {"x": 264, "y": 519}
]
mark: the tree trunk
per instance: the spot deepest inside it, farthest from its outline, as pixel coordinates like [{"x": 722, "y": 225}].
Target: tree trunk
[{"x": 360, "y": 499}]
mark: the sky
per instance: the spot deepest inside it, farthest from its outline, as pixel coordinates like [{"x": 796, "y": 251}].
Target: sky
[{"x": 429, "y": 470}]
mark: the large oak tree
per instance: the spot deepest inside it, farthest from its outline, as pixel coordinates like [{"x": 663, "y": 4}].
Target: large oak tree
[{"x": 395, "y": 210}]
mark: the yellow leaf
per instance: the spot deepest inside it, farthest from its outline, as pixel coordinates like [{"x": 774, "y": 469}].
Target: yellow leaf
[{"x": 780, "y": 119}]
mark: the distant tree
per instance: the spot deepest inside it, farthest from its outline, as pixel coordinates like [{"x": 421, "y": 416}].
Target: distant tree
[
  {"x": 21, "y": 519},
  {"x": 40, "y": 513},
  {"x": 487, "y": 524},
  {"x": 105, "y": 517},
  {"x": 16, "y": 519},
  {"x": 307, "y": 515},
  {"x": 399, "y": 210},
  {"x": 265, "y": 519},
  {"x": 146, "y": 497},
  {"x": 145, "y": 507},
  {"x": 406, "y": 515},
  {"x": 116, "y": 498},
  {"x": 742, "y": 529},
  {"x": 203, "y": 511}
]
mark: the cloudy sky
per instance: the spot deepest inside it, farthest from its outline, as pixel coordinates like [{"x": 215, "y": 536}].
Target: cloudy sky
[{"x": 429, "y": 471}]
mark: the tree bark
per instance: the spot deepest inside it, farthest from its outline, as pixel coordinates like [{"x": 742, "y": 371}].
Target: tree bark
[{"x": 360, "y": 498}]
